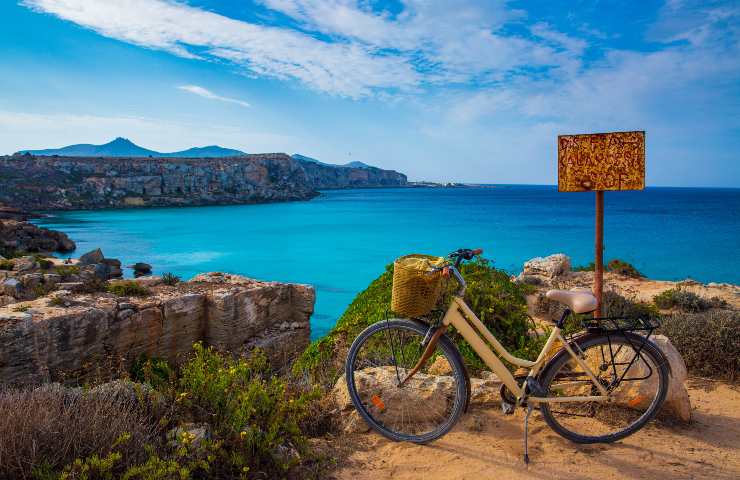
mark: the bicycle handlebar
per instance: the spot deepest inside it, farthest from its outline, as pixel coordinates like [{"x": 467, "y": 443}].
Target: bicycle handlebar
[{"x": 464, "y": 254}]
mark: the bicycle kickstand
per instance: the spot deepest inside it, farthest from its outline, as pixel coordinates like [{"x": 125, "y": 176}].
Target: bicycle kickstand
[{"x": 526, "y": 432}]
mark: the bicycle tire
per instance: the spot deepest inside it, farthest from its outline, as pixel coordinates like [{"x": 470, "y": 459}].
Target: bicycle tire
[
  {"x": 649, "y": 349},
  {"x": 459, "y": 374}
]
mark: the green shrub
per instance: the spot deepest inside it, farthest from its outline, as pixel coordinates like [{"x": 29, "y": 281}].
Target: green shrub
[
  {"x": 498, "y": 302},
  {"x": 686, "y": 301},
  {"x": 153, "y": 371},
  {"x": 249, "y": 409},
  {"x": 709, "y": 342},
  {"x": 623, "y": 268},
  {"x": 170, "y": 279},
  {"x": 6, "y": 265},
  {"x": 615, "y": 305},
  {"x": 43, "y": 262},
  {"x": 584, "y": 268},
  {"x": 66, "y": 271},
  {"x": 127, "y": 288}
]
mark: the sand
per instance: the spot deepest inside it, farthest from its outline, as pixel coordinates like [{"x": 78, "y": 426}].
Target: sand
[{"x": 487, "y": 444}]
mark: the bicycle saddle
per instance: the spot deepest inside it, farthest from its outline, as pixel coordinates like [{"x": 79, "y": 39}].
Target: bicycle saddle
[{"x": 579, "y": 301}]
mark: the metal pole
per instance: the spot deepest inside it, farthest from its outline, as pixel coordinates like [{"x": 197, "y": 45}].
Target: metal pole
[{"x": 599, "y": 251}]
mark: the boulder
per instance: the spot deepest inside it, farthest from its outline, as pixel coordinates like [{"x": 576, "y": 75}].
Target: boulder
[
  {"x": 12, "y": 287},
  {"x": 141, "y": 269},
  {"x": 92, "y": 257},
  {"x": 548, "y": 267},
  {"x": 677, "y": 404},
  {"x": 24, "y": 264}
]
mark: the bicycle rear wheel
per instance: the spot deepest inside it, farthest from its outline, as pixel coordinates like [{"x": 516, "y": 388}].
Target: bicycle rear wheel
[
  {"x": 424, "y": 408},
  {"x": 632, "y": 369}
]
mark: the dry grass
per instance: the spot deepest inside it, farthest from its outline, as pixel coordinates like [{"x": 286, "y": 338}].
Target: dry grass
[{"x": 47, "y": 428}]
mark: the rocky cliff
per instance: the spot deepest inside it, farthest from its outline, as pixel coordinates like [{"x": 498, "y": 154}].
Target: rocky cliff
[
  {"x": 323, "y": 176},
  {"x": 68, "y": 335},
  {"x": 56, "y": 183},
  {"x": 40, "y": 183}
]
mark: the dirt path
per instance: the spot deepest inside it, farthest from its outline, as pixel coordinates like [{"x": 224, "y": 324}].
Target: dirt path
[{"x": 487, "y": 444}]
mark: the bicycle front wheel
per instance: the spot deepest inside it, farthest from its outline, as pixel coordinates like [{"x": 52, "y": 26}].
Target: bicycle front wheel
[
  {"x": 632, "y": 369},
  {"x": 420, "y": 410}
]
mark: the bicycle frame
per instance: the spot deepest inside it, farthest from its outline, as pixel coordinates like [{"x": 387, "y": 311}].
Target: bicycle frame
[{"x": 467, "y": 323}]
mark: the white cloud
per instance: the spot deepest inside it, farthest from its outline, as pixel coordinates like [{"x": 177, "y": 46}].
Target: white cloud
[
  {"x": 349, "y": 50},
  {"x": 205, "y": 93}
]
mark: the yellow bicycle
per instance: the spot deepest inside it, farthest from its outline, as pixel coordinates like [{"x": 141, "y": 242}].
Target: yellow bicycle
[{"x": 407, "y": 379}]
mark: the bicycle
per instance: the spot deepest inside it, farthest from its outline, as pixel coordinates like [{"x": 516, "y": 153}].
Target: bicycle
[{"x": 408, "y": 381}]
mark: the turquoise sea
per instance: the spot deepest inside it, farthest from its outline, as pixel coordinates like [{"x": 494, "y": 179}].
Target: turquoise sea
[{"x": 343, "y": 239}]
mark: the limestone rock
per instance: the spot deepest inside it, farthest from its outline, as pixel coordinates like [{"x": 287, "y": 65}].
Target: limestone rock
[
  {"x": 547, "y": 267},
  {"x": 677, "y": 402},
  {"x": 92, "y": 257},
  {"x": 66, "y": 338},
  {"x": 18, "y": 235}
]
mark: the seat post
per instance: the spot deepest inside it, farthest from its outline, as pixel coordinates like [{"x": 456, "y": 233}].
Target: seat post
[{"x": 560, "y": 323}]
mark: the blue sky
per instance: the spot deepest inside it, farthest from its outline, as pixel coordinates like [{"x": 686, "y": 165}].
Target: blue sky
[{"x": 441, "y": 90}]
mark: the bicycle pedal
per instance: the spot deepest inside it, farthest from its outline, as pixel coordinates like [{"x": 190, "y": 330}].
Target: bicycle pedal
[{"x": 507, "y": 408}]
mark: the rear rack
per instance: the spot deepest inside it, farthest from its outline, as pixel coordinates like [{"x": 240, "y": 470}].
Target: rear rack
[{"x": 621, "y": 324}]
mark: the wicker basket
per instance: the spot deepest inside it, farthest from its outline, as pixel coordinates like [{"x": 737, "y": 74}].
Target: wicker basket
[{"x": 416, "y": 288}]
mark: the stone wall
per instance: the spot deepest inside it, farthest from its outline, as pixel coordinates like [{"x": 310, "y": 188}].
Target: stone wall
[{"x": 70, "y": 336}]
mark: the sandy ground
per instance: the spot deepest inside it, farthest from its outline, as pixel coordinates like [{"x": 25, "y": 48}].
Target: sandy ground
[{"x": 487, "y": 444}]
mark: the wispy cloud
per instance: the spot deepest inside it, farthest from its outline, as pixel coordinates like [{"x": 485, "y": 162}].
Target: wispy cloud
[
  {"x": 205, "y": 93},
  {"x": 343, "y": 47}
]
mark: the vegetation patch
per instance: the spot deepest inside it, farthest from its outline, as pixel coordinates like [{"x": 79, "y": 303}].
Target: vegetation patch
[
  {"x": 127, "y": 288},
  {"x": 170, "y": 279},
  {"x": 686, "y": 301},
  {"x": 708, "y": 342},
  {"x": 498, "y": 302},
  {"x": 623, "y": 268},
  {"x": 66, "y": 271},
  {"x": 616, "y": 266},
  {"x": 214, "y": 417},
  {"x": 6, "y": 265}
]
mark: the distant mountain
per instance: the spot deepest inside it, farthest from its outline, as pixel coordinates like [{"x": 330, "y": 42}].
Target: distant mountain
[
  {"x": 355, "y": 164},
  {"x": 123, "y": 147}
]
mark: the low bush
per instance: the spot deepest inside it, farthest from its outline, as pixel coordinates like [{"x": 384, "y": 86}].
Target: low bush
[
  {"x": 498, "y": 302},
  {"x": 686, "y": 301},
  {"x": 127, "y": 288},
  {"x": 215, "y": 417},
  {"x": 584, "y": 268},
  {"x": 66, "y": 271},
  {"x": 623, "y": 268},
  {"x": 170, "y": 279},
  {"x": 47, "y": 428},
  {"x": 6, "y": 265},
  {"x": 709, "y": 342}
]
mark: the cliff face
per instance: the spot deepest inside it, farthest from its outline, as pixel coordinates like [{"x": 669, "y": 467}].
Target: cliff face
[
  {"x": 322, "y": 176},
  {"x": 71, "y": 335},
  {"x": 40, "y": 183},
  {"x": 64, "y": 183}
]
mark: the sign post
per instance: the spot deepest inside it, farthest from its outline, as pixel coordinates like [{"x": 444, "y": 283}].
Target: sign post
[{"x": 598, "y": 162}]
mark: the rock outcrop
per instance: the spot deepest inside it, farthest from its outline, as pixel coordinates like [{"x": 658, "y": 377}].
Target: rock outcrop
[
  {"x": 64, "y": 183},
  {"x": 70, "y": 335},
  {"x": 60, "y": 183},
  {"x": 322, "y": 176},
  {"x": 20, "y": 236}
]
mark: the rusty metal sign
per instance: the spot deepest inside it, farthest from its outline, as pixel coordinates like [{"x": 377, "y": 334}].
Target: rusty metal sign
[{"x": 601, "y": 161}]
